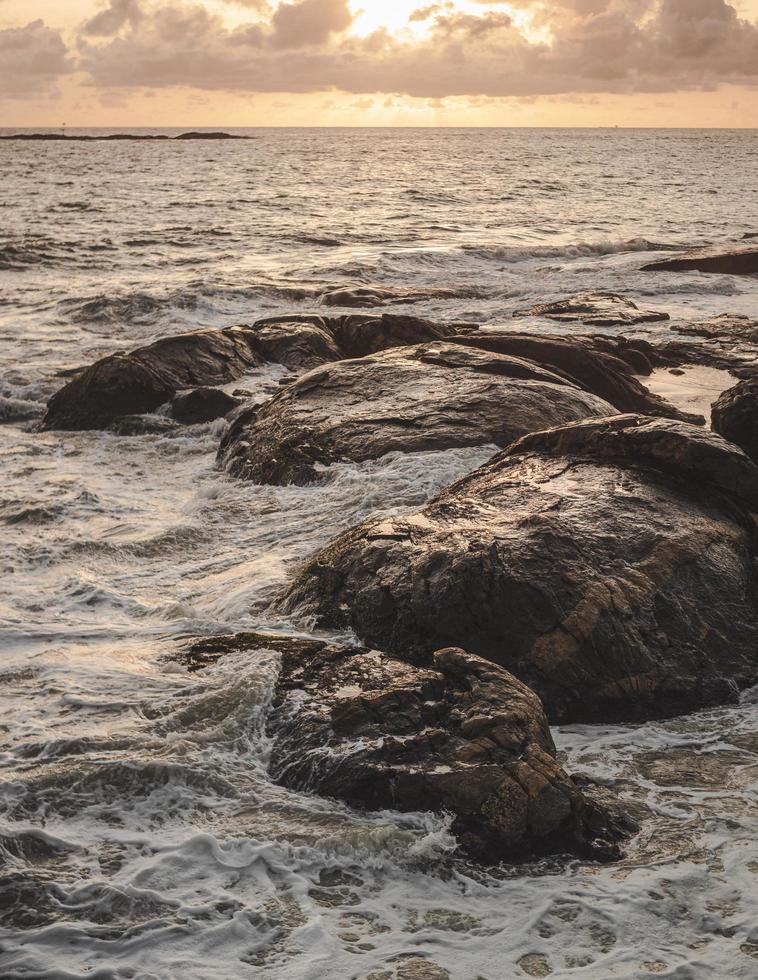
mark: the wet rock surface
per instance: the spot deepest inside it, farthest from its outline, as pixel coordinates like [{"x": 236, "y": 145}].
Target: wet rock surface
[
  {"x": 366, "y": 297},
  {"x": 202, "y": 405},
  {"x": 735, "y": 416},
  {"x": 728, "y": 342},
  {"x": 607, "y": 564},
  {"x": 143, "y": 425},
  {"x": 736, "y": 260},
  {"x": 297, "y": 344},
  {"x": 432, "y": 396},
  {"x": 595, "y": 310},
  {"x": 605, "y": 366},
  {"x": 140, "y": 381},
  {"x": 459, "y": 735},
  {"x": 729, "y": 328}
]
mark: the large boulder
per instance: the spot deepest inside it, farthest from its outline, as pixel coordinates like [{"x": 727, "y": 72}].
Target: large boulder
[
  {"x": 459, "y": 736},
  {"x": 606, "y": 366},
  {"x": 736, "y": 260},
  {"x": 735, "y": 416},
  {"x": 432, "y": 396},
  {"x": 607, "y": 564},
  {"x": 138, "y": 382},
  {"x": 595, "y": 310}
]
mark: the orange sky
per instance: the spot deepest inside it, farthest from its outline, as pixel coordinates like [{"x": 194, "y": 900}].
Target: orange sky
[{"x": 379, "y": 62}]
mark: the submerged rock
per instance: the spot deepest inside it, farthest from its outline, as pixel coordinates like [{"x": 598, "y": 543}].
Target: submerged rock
[
  {"x": 595, "y": 310},
  {"x": 735, "y": 260},
  {"x": 202, "y": 405},
  {"x": 142, "y": 425},
  {"x": 363, "y": 297},
  {"x": 606, "y": 366},
  {"x": 608, "y": 564},
  {"x": 411, "y": 399},
  {"x": 460, "y": 736},
  {"x": 735, "y": 416}
]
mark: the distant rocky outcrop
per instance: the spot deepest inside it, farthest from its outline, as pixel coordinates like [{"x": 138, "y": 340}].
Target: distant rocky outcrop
[
  {"x": 595, "y": 310},
  {"x": 117, "y": 137},
  {"x": 408, "y": 399},
  {"x": 608, "y": 564},
  {"x": 459, "y": 736},
  {"x": 736, "y": 260},
  {"x": 606, "y": 366}
]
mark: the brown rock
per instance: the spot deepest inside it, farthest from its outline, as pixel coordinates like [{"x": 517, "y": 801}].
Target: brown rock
[
  {"x": 136, "y": 383},
  {"x": 605, "y": 366},
  {"x": 410, "y": 399},
  {"x": 202, "y": 405},
  {"x": 460, "y": 736},
  {"x": 607, "y": 564},
  {"x": 595, "y": 310},
  {"x": 731, "y": 260},
  {"x": 735, "y": 416}
]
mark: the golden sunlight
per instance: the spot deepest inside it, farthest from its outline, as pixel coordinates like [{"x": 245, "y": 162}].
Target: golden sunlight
[
  {"x": 397, "y": 16},
  {"x": 391, "y": 15}
]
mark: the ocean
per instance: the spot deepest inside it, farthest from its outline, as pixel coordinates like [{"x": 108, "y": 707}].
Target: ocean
[{"x": 140, "y": 834}]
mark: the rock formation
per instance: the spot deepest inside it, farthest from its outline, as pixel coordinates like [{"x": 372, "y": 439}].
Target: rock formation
[
  {"x": 140, "y": 381},
  {"x": 735, "y": 416},
  {"x": 459, "y": 736},
  {"x": 409, "y": 399},
  {"x": 606, "y": 366},
  {"x": 607, "y": 564},
  {"x": 595, "y": 310},
  {"x": 738, "y": 260}
]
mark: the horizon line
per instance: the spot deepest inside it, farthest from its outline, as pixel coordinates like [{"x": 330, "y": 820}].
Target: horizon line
[{"x": 216, "y": 126}]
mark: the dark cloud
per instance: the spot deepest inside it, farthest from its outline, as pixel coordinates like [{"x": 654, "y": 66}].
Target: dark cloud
[
  {"x": 310, "y": 22},
  {"x": 110, "y": 20},
  {"x": 32, "y": 58}
]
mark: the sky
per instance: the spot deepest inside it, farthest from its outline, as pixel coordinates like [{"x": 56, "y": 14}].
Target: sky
[{"x": 227, "y": 63}]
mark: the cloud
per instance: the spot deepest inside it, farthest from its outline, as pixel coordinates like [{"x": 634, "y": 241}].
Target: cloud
[
  {"x": 310, "y": 22},
  {"x": 32, "y": 58},
  {"x": 572, "y": 47},
  {"x": 109, "y": 21}
]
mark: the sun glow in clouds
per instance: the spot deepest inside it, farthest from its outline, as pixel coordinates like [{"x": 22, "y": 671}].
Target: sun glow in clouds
[
  {"x": 417, "y": 17},
  {"x": 390, "y": 15}
]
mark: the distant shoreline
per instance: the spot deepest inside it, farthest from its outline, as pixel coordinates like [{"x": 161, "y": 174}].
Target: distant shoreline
[{"x": 62, "y": 137}]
